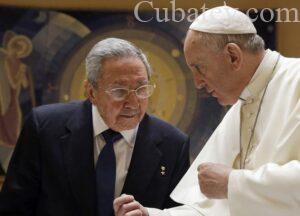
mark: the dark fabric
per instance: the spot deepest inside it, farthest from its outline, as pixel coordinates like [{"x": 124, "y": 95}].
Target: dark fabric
[
  {"x": 52, "y": 171},
  {"x": 1, "y": 170},
  {"x": 106, "y": 174}
]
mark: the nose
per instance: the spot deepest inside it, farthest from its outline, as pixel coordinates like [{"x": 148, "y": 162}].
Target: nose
[
  {"x": 132, "y": 100},
  {"x": 198, "y": 81}
]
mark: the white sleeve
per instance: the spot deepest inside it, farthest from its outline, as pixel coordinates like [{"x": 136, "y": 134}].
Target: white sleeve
[
  {"x": 157, "y": 212},
  {"x": 270, "y": 190},
  {"x": 184, "y": 210}
]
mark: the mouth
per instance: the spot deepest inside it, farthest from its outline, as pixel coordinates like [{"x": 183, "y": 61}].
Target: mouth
[
  {"x": 210, "y": 91},
  {"x": 129, "y": 114}
]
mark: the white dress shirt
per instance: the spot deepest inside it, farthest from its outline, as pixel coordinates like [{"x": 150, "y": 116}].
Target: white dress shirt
[{"x": 123, "y": 148}]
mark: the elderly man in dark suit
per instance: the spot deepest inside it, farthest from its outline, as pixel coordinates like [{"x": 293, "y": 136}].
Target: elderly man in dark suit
[{"x": 75, "y": 158}]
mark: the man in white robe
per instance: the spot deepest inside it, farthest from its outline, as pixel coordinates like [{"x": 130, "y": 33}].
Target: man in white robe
[{"x": 250, "y": 165}]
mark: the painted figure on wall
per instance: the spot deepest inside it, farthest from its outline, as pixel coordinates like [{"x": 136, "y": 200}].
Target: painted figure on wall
[{"x": 14, "y": 75}]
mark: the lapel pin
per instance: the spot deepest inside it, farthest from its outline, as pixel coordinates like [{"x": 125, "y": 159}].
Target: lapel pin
[{"x": 163, "y": 170}]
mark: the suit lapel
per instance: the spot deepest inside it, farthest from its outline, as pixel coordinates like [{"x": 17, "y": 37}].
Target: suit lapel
[
  {"x": 77, "y": 145},
  {"x": 145, "y": 159}
]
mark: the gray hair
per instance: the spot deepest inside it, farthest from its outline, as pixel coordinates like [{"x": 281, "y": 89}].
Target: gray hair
[
  {"x": 110, "y": 48},
  {"x": 252, "y": 43}
]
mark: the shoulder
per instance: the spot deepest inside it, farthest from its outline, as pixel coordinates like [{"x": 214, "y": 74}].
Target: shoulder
[
  {"x": 289, "y": 68},
  {"x": 61, "y": 110},
  {"x": 287, "y": 76},
  {"x": 55, "y": 114}
]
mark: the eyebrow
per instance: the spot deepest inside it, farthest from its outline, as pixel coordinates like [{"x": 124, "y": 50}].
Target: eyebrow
[
  {"x": 142, "y": 82},
  {"x": 121, "y": 83}
]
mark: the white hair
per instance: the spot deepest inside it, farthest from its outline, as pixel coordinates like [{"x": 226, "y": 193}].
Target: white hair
[
  {"x": 252, "y": 43},
  {"x": 111, "y": 48}
]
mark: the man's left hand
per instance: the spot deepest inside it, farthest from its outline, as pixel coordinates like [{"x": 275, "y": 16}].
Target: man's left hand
[{"x": 213, "y": 180}]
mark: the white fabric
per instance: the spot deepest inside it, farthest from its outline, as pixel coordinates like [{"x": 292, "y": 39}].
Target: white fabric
[
  {"x": 183, "y": 210},
  {"x": 223, "y": 20},
  {"x": 252, "y": 96},
  {"x": 123, "y": 148},
  {"x": 272, "y": 187}
]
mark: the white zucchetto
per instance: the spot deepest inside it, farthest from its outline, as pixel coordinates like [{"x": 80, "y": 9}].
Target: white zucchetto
[{"x": 223, "y": 20}]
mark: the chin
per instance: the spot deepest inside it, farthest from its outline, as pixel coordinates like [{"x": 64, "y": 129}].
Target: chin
[
  {"x": 226, "y": 102},
  {"x": 124, "y": 123},
  {"x": 127, "y": 127},
  {"x": 127, "y": 124},
  {"x": 223, "y": 102}
]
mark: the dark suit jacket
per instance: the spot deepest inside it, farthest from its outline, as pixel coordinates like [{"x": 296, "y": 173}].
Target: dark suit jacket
[{"x": 52, "y": 171}]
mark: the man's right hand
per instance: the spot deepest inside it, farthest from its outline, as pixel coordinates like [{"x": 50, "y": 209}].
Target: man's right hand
[{"x": 126, "y": 205}]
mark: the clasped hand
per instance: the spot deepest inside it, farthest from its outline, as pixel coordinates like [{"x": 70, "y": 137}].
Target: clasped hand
[{"x": 213, "y": 180}]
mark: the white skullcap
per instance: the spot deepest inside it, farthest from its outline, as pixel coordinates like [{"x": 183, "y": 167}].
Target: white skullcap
[{"x": 223, "y": 20}]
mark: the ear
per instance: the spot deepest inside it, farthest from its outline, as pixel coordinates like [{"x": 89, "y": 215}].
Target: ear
[
  {"x": 90, "y": 91},
  {"x": 235, "y": 55}
]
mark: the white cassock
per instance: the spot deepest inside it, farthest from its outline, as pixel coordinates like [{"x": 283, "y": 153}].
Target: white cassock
[{"x": 269, "y": 185}]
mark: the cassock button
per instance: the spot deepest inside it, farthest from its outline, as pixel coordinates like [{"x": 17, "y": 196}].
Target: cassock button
[{"x": 249, "y": 101}]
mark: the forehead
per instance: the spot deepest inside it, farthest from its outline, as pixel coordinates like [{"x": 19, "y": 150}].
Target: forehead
[
  {"x": 193, "y": 44},
  {"x": 193, "y": 38},
  {"x": 124, "y": 70},
  {"x": 195, "y": 49}
]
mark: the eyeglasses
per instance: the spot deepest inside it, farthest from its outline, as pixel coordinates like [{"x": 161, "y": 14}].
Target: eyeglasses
[{"x": 142, "y": 92}]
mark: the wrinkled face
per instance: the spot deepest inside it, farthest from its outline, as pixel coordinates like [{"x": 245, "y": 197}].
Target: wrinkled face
[
  {"x": 211, "y": 70},
  {"x": 118, "y": 73}
]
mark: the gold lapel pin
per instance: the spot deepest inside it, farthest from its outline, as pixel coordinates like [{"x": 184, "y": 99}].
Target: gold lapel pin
[{"x": 163, "y": 170}]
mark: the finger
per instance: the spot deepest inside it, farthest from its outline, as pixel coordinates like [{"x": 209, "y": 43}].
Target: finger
[
  {"x": 129, "y": 207},
  {"x": 204, "y": 182},
  {"x": 202, "y": 166},
  {"x": 200, "y": 182},
  {"x": 118, "y": 202},
  {"x": 206, "y": 168},
  {"x": 123, "y": 199},
  {"x": 136, "y": 212}
]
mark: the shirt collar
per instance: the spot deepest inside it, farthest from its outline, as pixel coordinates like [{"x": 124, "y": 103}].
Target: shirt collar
[
  {"x": 261, "y": 76},
  {"x": 100, "y": 126}
]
